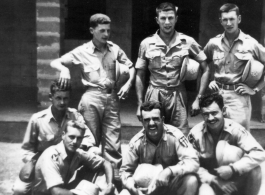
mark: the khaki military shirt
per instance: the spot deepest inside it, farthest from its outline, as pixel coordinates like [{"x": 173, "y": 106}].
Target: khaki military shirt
[
  {"x": 98, "y": 69},
  {"x": 235, "y": 135},
  {"x": 44, "y": 131},
  {"x": 229, "y": 61},
  {"x": 53, "y": 167},
  {"x": 173, "y": 151},
  {"x": 164, "y": 62}
]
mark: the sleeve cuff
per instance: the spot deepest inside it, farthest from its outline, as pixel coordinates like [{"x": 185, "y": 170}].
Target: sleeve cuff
[
  {"x": 201, "y": 57},
  {"x": 140, "y": 64},
  {"x": 176, "y": 170}
]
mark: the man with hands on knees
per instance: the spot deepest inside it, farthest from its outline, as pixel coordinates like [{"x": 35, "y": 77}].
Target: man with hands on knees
[
  {"x": 57, "y": 164},
  {"x": 163, "y": 54},
  {"x": 100, "y": 104},
  {"x": 163, "y": 145},
  {"x": 229, "y": 155},
  {"x": 233, "y": 55}
]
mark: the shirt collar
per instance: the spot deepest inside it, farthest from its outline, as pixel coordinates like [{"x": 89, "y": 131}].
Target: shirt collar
[
  {"x": 61, "y": 150},
  {"x": 175, "y": 40},
  {"x": 241, "y": 36},
  {"x": 50, "y": 115},
  {"x": 91, "y": 47}
]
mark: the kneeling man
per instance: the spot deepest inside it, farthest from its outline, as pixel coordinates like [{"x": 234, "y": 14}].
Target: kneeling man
[
  {"x": 229, "y": 155},
  {"x": 161, "y": 144},
  {"x": 57, "y": 164}
]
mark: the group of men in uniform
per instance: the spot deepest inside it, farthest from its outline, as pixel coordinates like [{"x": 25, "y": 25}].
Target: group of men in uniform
[{"x": 190, "y": 162}]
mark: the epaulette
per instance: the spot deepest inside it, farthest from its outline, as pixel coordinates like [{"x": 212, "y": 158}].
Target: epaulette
[
  {"x": 40, "y": 114},
  {"x": 138, "y": 136}
]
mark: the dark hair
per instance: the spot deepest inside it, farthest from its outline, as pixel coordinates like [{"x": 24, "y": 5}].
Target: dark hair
[
  {"x": 166, "y": 6},
  {"x": 99, "y": 19},
  {"x": 207, "y": 100},
  {"x": 76, "y": 124},
  {"x": 55, "y": 86},
  {"x": 228, "y": 7},
  {"x": 150, "y": 105}
]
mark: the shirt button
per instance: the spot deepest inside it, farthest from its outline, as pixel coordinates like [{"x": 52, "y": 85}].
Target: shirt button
[
  {"x": 227, "y": 62},
  {"x": 168, "y": 78},
  {"x": 168, "y": 84}
]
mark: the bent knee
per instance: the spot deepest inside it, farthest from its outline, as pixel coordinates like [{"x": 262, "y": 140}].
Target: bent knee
[
  {"x": 206, "y": 189},
  {"x": 191, "y": 180}
]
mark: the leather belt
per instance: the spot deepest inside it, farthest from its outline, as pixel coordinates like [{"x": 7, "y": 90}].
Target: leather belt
[
  {"x": 227, "y": 87},
  {"x": 107, "y": 90}
]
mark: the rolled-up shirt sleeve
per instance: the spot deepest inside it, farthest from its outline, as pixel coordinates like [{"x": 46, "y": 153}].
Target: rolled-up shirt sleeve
[
  {"x": 196, "y": 52},
  {"x": 141, "y": 62},
  {"x": 129, "y": 163},
  {"x": 30, "y": 142},
  {"x": 123, "y": 59},
  {"x": 188, "y": 159},
  {"x": 254, "y": 154}
]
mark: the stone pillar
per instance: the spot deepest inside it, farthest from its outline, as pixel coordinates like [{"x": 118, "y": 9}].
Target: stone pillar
[
  {"x": 49, "y": 22},
  {"x": 120, "y": 13}
]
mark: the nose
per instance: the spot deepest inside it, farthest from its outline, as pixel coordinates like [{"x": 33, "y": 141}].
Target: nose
[
  {"x": 167, "y": 21},
  {"x": 151, "y": 122},
  {"x": 228, "y": 22},
  {"x": 210, "y": 117},
  {"x": 75, "y": 140}
]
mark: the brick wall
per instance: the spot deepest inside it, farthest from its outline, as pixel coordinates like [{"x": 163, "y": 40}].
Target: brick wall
[{"x": 49, "y": 33}]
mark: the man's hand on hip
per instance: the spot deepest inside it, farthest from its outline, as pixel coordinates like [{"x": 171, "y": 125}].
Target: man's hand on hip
[{"x": 243, "y": 89}]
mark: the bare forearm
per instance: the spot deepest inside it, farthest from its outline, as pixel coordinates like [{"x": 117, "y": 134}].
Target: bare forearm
[
  {"x": 108, "y": 172},
  {"x": 58, "y": 65},
  {"x": 60, "y": 191},
  {"x": 204, "y": 78},
  {"x": 140, "y": 85},
  {"x": 132, "y": 76}
]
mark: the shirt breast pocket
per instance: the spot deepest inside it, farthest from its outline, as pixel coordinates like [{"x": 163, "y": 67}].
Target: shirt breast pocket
[
  {"x": 218, "y": 57},
  {"x": 92, "y": 72},
  {"x": 154, "y": 57},
  {"x": 241, "y": 58},
  {"x": 177, "y": 58}
]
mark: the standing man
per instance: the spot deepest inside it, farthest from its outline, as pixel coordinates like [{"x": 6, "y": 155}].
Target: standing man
[
  {"x": 100, "y": 104},
  {"x": 45, "y": 129},
  {"x": 163, "y": 53},
  {"x": 229, "y": 53},
  {"x": 162, "y": 144},
  {"x": 57, "y": 164},
  {"x": 224, "y": 170}
]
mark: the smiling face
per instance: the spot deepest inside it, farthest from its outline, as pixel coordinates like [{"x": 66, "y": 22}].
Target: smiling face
[
  {"x": 153, "y": 125},
  {"x": 101, "y": 33},
  {"x": 60, "y": 100},
  {"x": 166, "y": 21},
  {"x": 230, "y": 21},
  {"x": 72, "y": 139},
  {"x": 213, "y": 117}
]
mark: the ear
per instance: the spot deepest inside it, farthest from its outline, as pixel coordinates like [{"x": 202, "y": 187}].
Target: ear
[
  {"x": 50, "y": 96},
  {"x": 163, "y": 118},
  {"x": 157, "y": 20},
  {"x": 220, "y": 19},
  {"x": 224, "y": 111},
  {"x": 91, "y": 30},
  {"x": 63, "y": 134},
  {"x": 239, "y": 19},
  {"x": 176, "y": 19}
]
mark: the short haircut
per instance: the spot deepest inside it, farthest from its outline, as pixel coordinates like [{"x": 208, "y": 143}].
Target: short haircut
[
  {"x": 76, "y": 124},
  {"x": 150, "y": 105},
  {"x": 55, "y": 86},
  {"x": 207, "y": 100},
  {"x": 166, "y": 6},
  {"x": 99, "y": 19},
  {"x": 228, "y": 7}
]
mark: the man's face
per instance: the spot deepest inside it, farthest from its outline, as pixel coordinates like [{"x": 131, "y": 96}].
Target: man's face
[
  {"x": 230, "y": 21},
  {"x": 72, "y": 138},
  {"x": 101, "y": 33},
  {"x": 153, "y": 124},
  {"x": 166, "y": 21},
  {"x": 60, "y": 100},
  {"x": 213, "y": 116}
]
